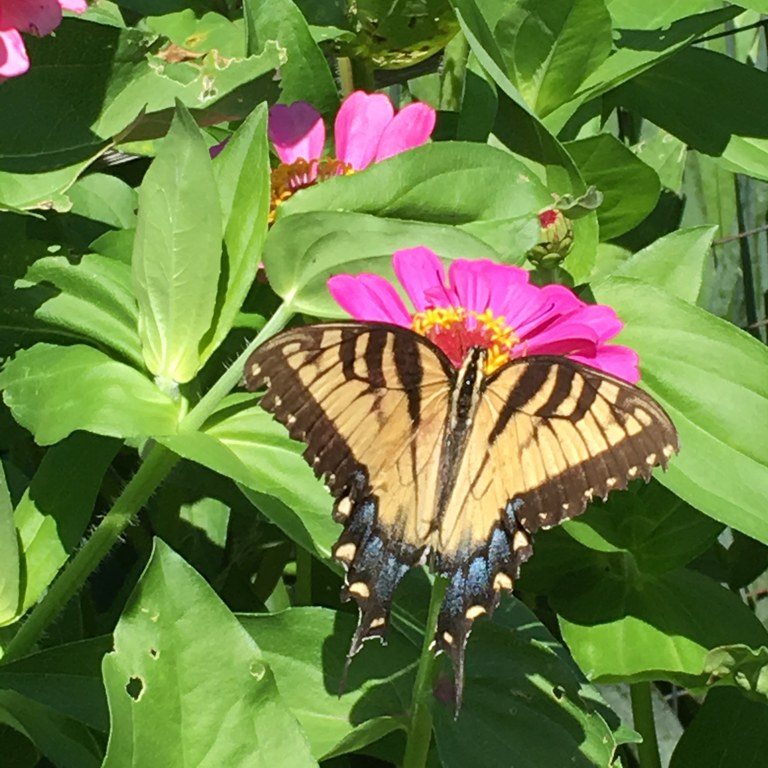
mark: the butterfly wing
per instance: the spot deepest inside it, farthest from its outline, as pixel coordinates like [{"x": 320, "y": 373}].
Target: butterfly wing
[
  {"x": 548, "y": 435},
  {"x": 370, "y": 402}
]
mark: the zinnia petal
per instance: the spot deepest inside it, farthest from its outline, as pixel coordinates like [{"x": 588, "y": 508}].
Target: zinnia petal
[
  {"x": 76, "y": 6},
  {"x": 621, "y": 362},
  {"x": 369, "y": 297},
  {"x": 564, "y": 338},
  {"x": 37, "y": 17},
  {"x": 421, "y": 273},
  {"x": 411, "y": 127},
  {"x": 359, "y": 126},
  {"x": 13, "y": 55},
  {"x": 297, "y": 131}
]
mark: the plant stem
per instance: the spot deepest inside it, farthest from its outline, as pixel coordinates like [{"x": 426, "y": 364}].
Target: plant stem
[
  {"x": 153, "y": 470},
  {"x": 151, "y": 473},
  {"x": 642, "y": 715},
  {"x": 302, "y": 591},
  {"x": 420, "y": 727},
  {"x": 229, "y": 380},
  {"x": 346, "y": 78}
]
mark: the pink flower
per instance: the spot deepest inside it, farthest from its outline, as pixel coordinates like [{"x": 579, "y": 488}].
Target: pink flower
[
  {"x": 486, "y": 304},
  {"x": 36, "y": 17},
  {"x": 366, "y": 131}
]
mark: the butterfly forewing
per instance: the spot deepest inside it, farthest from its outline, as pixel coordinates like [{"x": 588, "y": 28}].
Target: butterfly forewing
[{"x": 370, "y": 402}]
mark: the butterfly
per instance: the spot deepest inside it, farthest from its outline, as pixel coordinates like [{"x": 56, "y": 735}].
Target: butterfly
[{"x": 454, "y": 466}]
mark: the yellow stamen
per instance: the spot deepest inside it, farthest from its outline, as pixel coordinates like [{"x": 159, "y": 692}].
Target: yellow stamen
[
  {"x": 287, "y": 178},
  {"x": 492, "y": 331}
]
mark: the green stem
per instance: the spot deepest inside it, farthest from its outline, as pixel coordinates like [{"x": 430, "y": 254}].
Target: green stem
[
  {"x": 302, "y": 592},
  {"x": 153, "y": 470},
  {"x": 346, "y": 77},
  {"x": 420, "y": 727},
  {"x": 642, "y": 715}
]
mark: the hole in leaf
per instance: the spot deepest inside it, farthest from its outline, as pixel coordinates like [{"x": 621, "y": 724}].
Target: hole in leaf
[
  {"x": 257, "y": 670},
  {"x": 559, "y": 691},
  {"x": 135, "y": 688},
  {"x": 154, "y": 653}
]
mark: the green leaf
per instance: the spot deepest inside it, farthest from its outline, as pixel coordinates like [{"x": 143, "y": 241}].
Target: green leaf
[
  {"x": 674, "y": 262},
  {"x": 659, "y": 530},
  {"x": 65, "y": 742},
  {"x": 740, "y": 728},
  {"x": 66, "y": 679},
  {"x": 168, "y": 667},
  {"x": 306, "y": 649},
  {"x": 304, "y": 70},
  {"x": 177, "y": 252},
  {"x": 53, "y": 391},
  {"x": 304, "y": 250},
  {"x": 104, "y": 198},
  {"x": 23, "y": 191},
  {"x": 56, "y": 509},
  {"x": 622, "y": 628},
  {"x": 549, "y": 48},
  {"x": 10, "y": 565},
  {"x": 521, "y": 690},
  {"x": 93, "y": 301},
  {"x": 243, "y": 442},
  {"x": 710, "y": 376},
  {"x": 638, "y": 50},
  {"x": 678, "y": 95},
  {"x": 741, "y": 666},
  {"x": 243, "y": 178},
  {"x": 630, "y": 187},
  {"x": 93, "y": 82}
]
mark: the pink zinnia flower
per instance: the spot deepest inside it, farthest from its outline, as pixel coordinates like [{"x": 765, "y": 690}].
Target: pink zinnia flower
[
  {"x": 482, "y": 303},
  {"x": 36, "y": 17},
  {"x": 366, "y": 131}
]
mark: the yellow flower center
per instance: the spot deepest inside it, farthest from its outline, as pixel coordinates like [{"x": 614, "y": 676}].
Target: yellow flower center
[
  {"x": 288, "y": 178},
  {"x": 447, "y": 328}
]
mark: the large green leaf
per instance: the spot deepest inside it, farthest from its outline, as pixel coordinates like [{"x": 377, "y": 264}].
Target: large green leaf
[
  {"x": 104, "y": 198},
  {"x": 177, "y": 252},
  {"x": 711, "y": 378},
  {"x": 620, "y": 627},
  {"x": 65, "y": 742},
  {"x": 304, "y": 70},
  {"x": 53, "y": 391},
  {"x": 242, "y": 175},
  {"x": 66, "y": 679},
  {"x": 39, "y": 190},
  {"x": 675, "y": 262},
  {"x": 10, "y": 565},
  {"x": 730, "y": 731},
  {"x": 93, "y": 300},
  {"x": 245, "y": 443},
  {"x": 306, "y": 649},
  {"x": 92, "y": 82},
  {"x": 56, "y": 509},
  {"x": 688, "y": 85},
  {"x": 304, "y": 250},
  {"x": 549, "y": 48},
  {"x": 182, "y": 660},
  {"x": 524, "y": 703},
  {"x": 630, "y": 188}
]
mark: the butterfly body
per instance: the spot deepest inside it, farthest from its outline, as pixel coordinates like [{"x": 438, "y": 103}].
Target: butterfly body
[{"x": 460, "y": 465}]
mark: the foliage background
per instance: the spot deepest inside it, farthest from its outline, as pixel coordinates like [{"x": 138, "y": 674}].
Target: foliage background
[{"x": 209, "y": 631}]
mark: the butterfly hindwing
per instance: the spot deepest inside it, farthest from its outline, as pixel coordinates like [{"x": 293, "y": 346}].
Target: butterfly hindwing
[
  {"x": 370, "y": 402},
  {"x": 548, "y": 435}
]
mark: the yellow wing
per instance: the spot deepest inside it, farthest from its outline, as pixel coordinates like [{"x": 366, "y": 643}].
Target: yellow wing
[
  {"x": 548, "y": 435},
  {"x": 370, "y": 401}
]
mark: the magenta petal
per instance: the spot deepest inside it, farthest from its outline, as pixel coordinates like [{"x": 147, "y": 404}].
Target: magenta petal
[
  {"x": 13, "y": 55},
  {"x": 470, "y": 283},
  {"x": 411, "y": 127},
  {"x": 421, "y": 273},
  {"x": 600, "y": 317},
  {"x": 615, "y": 359},
  {"x": 297, "y": 131},
  {"x": 564, "y": 299},
  {"x": 76, "y": 6},
  {"x": 359, "y": 126},
  {"x": 38, "y": 17},
  {"x": 562, "y": 338},
  {"x": 369, "y": 297}
]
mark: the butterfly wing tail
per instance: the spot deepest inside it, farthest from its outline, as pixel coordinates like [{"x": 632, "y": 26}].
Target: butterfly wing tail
[{"x": 474, "y": 590}]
